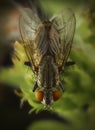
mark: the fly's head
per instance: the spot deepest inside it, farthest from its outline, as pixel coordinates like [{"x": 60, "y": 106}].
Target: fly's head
[{"x": 47, "y": 97}]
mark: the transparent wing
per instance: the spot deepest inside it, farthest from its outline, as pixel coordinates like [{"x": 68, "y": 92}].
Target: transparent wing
[
  {"x": 28, "y": 23},
  {"x": 65, "y": 24}
]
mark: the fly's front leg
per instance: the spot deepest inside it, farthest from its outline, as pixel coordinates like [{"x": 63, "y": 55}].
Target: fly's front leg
[
  {"x": 61, "y": 86},
  {"x": 35, "y": 87}
]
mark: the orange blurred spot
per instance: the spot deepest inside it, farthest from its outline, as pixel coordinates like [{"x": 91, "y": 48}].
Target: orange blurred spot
[
  {"x": 56, "y": 95},
  {"x": 39, "y": 95}
]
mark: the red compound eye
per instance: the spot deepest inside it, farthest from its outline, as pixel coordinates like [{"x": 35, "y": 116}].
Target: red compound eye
[
  {"x": 56, "y": 95},
  {"x": 39, "y": 95}
]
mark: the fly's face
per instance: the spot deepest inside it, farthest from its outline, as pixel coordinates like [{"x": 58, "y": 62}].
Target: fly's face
[
  {"x": 47, "y": 97},
  {"x": 47, "y": 45}
]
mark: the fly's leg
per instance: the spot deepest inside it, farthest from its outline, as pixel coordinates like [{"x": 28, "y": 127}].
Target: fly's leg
[
  {"x": 61, "y": 86},
  {"x": 35, "y": 87},
  {"x": 27, "y": 63},
  {"x": 69, "y": 63}
]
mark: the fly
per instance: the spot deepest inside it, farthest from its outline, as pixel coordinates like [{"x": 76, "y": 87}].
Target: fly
[{"x": 47, "y": 45}]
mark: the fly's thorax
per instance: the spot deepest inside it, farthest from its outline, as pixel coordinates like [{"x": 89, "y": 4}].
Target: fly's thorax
[{"x": 48, "y": 74}]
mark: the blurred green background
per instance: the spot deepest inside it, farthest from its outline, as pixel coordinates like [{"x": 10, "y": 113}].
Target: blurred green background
[{"x": 76, "y": 109}]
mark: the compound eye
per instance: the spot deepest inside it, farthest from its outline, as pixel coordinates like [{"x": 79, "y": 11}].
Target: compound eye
[
  {"x": 39, "y": 95},
  {"x": 56, "y": 95}
]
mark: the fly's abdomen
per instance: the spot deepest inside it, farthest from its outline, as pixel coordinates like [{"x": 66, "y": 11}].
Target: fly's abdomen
[{"x": 47, "y": 39}]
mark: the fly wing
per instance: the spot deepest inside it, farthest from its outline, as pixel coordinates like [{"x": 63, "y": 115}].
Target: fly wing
[
  {"x": 65, "y": 23},
  {"x": 28, "y": 23}
]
